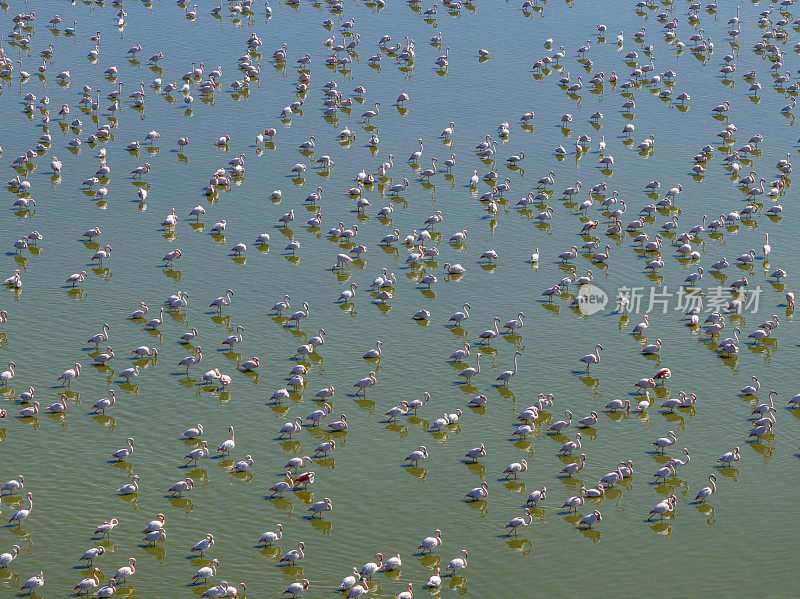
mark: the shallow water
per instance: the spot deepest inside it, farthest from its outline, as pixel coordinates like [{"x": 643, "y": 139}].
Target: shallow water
[{"x": 378, "y": 504}]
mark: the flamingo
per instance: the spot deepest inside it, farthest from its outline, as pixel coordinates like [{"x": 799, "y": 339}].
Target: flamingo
[
  {"x": 154, "y": 323},
  {"x": 232, "y": 340},
  {"x": 764, "y": 408},
  {"x": 104, "y": 358},
  {"x": 574, "y": 468},
  {"x": 368, "y": 569},
  {"x": 618, "y": 404},
  {"x": 33, "y": 583},
  {"x": 124, "y": 453},
  {"x": 373, "y": 353},
  {"x": 348, "y": 582},
  {"x": 667, "y": 471},
  {"x": 128, "y": 373},
  {"x": 706, "y": 492},
  {"x": 590, "y": 519},
  {"x": 339, "y": 425},
  {"x": 221, "y": 302},
  {"x": 66, "y": 376},
  {"x": 76, "y": 278},
  {"x": 22, "y": 514},
  {"x": 156, "y": 524},
  {"x": 154, "y": 537},
  {"x": 294, "y": 555},
  {"x": 106, "y": 527},
  {"x": 206, "y": 572},
  {"x": 243, "y": 465},
  {"x": 588, "y": 421},
  {"x": 283, "y": 486},
  {"x": 558, "y": 425},
  {"x": 571, "y": 446},
  {"x": 662, "y": 507},
  {"x": 470, "y": 372},
  {"x": 13, "y": 485},
  {"x": 415, "y": 456},
  {"x": 435, "y": 580},
  {"x": 729, "y": 457},
  {"x": 750, "y": 389},
  {"x": 536, "y": 496},
  {"x": 642, "y": 326},
  {"x": 393, "y": 564},
  {"x": 663, "y": 442},
  {"x": 126, "y": 572},
  {"x": 476, "y": 452},
  {"x": 229, "y": 444},
  {"x": 129, "y": 488},
  {"x": 368, "y": 381},
  {"x": 458, "y": 563},
  {"x": 282, "y": 305},
  {"x": 515, "y": 468},
  {"x": 593, "y": 358},
  {"x": 26, "y": 396},
  {"x": 600, "y": 491},
  {"x": 101, "y": 255},
  {"x": 220, "y": 590},
  {"x": 299, "y": 315},
  {"x": 26, "y": 412},
  {"x": 7, "y": 375},
  {"x": 507, "y": 375},
  {"x": 108, "y": 590},
  {"x": 515, "y": 523},
  {"x": 137, "y": 314},
  {"x": 204, "y": 544},
  {"x": 7, "y": 558},
  {"x": 430, "y": 543},
  {"x": 290, "y": 428},
  {"x": 59, "y": 406},
  {"x": 416, "y": 155},
  {"x": 143, "y": 351},
  {"x": 250, "y": 365},
  {"x": 269, "y": 537},
  {"x": 195, "y": 358},
  {"x": 197, "y": 454},
  {"x": 429, "y": 172}
]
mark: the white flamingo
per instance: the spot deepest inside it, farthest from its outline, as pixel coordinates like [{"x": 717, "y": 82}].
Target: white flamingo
[
  {"x": 593, "y": 358},
  {"x": 707, "y": 492}
]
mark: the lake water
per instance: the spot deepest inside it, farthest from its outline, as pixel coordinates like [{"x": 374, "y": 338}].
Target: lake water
[{"x": 744, "y": 536}]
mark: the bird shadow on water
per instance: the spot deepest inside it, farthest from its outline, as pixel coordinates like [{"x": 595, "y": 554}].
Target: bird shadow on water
[
  {"x": 458, "y": 582},
  {"x": 322, "y": 526},
  {"x": 270, "y": 552},
  {"x": 524, "y": 546},
  {"x": 732, "y": 473},
  {"x": 475, "y": 467},
  {"x": 365, "y": 404},
  {"x": 280, "y": 503},
  {"x": 591, "y": 534},
  {"x": 416, "y": 471},
  {"x": 514, "y": 486},
  {"x": 158, "y": 553},
  {"x": 480, "y": 505},
  {"x": 707, "y": 511},
  {"x": 523, "y": 445},
  {"x": 182, "y": 503},
  {"x": 759, "y": 447}
]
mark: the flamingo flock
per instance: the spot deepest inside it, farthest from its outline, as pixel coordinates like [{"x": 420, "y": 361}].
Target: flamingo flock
[{"x": 459, "y": 284}]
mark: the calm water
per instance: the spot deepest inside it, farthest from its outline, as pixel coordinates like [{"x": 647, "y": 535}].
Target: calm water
[{"x": 747, "y": 533}]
